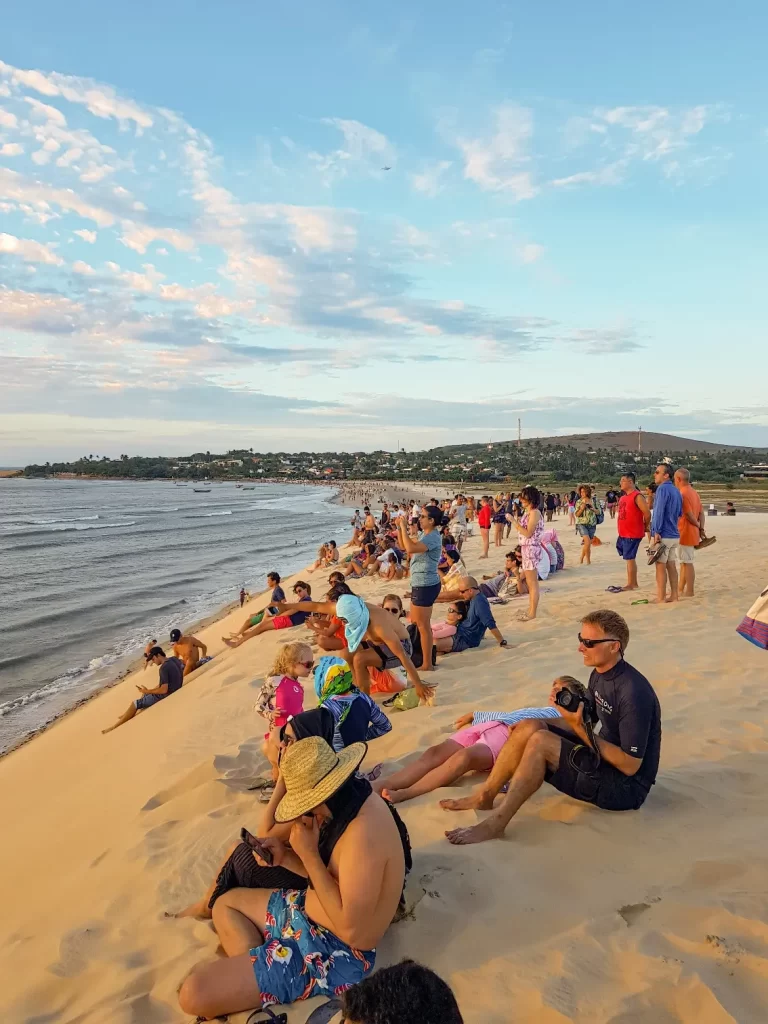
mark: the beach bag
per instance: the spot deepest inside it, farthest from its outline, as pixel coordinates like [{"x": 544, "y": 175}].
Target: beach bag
[
  {"x": 406, "y": 701},
  {"x": 754, "y": 625},
  {"x": 417, "y": 656}
]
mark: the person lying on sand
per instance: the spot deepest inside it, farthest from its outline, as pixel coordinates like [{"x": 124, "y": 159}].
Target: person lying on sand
[
  {"x": 188, "y": 649},
  {"x": 171, "y": 678},
  {"x": 564, "y": 755},
  {"x": 474, "y": 748},
  {"x": 375, "y": 638},
  {"x": 279, "y": 621},
  {"x": 284, "y": 945}
]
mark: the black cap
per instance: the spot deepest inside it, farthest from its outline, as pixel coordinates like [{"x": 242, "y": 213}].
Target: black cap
[
  {"x": 175, "y": 635},
  {"x": 154, "y": 653}
]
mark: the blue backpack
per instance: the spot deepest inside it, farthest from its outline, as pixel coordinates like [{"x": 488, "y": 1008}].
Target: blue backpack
[{"x": 599, "y": 513}]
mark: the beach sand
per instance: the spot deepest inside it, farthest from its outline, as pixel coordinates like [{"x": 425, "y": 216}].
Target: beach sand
[{"x": 647, "y": 917}]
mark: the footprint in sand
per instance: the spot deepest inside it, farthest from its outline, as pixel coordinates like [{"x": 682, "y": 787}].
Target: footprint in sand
[{"x": 77, "y": 949}]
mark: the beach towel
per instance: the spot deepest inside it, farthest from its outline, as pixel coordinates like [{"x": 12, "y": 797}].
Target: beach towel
[
  {"x": 754, "y": 625},
  {"x": 355, "y": 612}
]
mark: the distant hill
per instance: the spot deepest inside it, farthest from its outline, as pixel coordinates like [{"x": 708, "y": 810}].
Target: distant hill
[{"x": 625, "y": 441}]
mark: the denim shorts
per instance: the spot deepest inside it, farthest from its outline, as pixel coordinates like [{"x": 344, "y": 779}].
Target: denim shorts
[
  {"x": 425, "y": 597},
  {"x": 584, "y": 530},
  {"x": 148, "y": 700}
]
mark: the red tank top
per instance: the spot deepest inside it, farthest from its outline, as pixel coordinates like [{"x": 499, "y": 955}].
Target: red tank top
[{"x": 630, "y": 521}]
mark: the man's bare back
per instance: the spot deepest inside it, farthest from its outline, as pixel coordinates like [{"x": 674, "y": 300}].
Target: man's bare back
[
  {"x": 369, "y": 859},
  {"x": 187, "y": 649}
]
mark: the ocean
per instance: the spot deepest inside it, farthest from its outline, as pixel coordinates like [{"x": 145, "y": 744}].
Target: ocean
[{"x": 91, "y": 570}]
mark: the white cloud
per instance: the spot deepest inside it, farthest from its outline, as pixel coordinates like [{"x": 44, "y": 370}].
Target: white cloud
[
  {"x": 101, "y": 100},
  {"x": 86, "y": 235},
  {"x": 430, "y": 181},
  {"x": 365, "y": 149},
  {"x": 498, "y": 163},
  {"x": 139, "y": 236},
  {"x": 531, "y": 252},
  {"x": 7, "y": 119},
  {"x": 11, "y": 149},
  {"x": 610, "y": 174},
  {"x": 29, "y": 250},
  {"x": 80, "y": 267},
  {"x": 45, "y": 112},
  {"x": 29, "y": 311}
]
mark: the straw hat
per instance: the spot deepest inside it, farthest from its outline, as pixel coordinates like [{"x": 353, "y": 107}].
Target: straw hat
[{"x": 312, "y": 772}]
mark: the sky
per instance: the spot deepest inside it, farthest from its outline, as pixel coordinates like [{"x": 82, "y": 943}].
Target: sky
[{"x": 352, "y": 226}]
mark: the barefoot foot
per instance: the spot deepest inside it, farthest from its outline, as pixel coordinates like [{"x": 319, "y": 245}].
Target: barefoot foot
[
  {"x": 477, "y": 801},
  {"x": 488, "y": 829}
]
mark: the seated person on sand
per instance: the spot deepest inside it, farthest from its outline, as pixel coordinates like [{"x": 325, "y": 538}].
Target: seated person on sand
[
  {"x": 474, "y": 748},
  {"x": 328, "y": 630},
  {"x": 282, "y": 695},
  {"x": 171, "y": 678},
  {"x": 406, "y": 992},
  {"x": 374, "y": 638},
  {"x": 356, "y": 716},
  {"x": 479, "y": 618},
  {"x": 455, "y": 614},
  {"x": 454, "y": 570},
  {"x": 278, "y": 594},
  {"x": 286, "y": 944},
  {"x": 241, "y": 867},
  {"x": 362, "y": 562},
  {"x": 188, "y": 649},
  {"x": 613, "y": 771},
  {"x": 387, "y": 563},
  {"x": 320, "y": 561},
  {"x": 304, "y": 593},
  {"x": 730, "y": 509},
  {"x": 509, "y": 581}
]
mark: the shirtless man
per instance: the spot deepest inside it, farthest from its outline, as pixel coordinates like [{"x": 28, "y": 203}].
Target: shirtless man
[
  {"x": 187, "y": 649},
  {"x": 375, "y": 638},
  {"x": 283, "y": 945}
]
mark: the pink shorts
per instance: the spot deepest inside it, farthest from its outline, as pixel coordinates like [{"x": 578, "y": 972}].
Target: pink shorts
[
  {"x": 282, "y": 621},
  {"x": 493, "y": 734}
]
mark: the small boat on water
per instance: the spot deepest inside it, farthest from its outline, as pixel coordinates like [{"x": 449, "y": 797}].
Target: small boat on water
[
  {"x": 202, "y": 490},
  {"x": 253, "y": 488}
]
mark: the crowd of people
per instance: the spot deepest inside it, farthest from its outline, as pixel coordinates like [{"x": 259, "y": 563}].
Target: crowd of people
[{"x": 300, "y": 907}]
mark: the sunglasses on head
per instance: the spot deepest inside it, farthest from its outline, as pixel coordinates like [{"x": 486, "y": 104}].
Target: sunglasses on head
[{"x": 589, "y": 644}]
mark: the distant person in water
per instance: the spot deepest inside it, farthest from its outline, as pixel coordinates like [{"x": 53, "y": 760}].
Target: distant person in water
[
  {"x": 303, "y": 592},
  {"x": 171, "y": 678},
  {"x": 188, "y": 649}
]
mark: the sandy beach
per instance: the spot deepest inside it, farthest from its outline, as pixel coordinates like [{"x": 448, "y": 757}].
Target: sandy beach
[{"x": 577, "y": 915}]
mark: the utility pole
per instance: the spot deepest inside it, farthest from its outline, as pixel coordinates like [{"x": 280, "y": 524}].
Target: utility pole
[
  {"x": 519, "y": 432},
  {"x": 639, "y": 440}
]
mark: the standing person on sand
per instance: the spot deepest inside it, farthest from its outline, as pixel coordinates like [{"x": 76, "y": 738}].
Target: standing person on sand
[
  {"x": 633, "y": 524},
  {"x": 665, "y": 533},
  {"x": 586, "y": 522},
  {"x": 529, "y": 530},
  {"x": 484, "y": 517},
  {"x": 242, "y": 596},
  {"x": 691, "y": 526},
  {"x": 425, "y": 579}
]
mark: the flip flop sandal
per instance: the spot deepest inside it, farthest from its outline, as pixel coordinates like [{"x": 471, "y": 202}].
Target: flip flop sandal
[
  {"x": 706, "y": 542},
  {"x": 654, "y": 554},
  {"x": 322, "y": 1014},
  {"x": 267, "y": 1016},
  {"x": 615, "y": 590},
  {"x": 643, "y": 600},
  {"x": 203, "y": 1020},
  {"x": 374, "y": 773}
]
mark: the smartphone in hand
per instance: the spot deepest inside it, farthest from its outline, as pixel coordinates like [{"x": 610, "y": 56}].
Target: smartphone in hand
[{"x": 257, "y": 846}]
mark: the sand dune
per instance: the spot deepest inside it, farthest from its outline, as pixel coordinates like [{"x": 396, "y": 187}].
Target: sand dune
[{"x": 578, "y": 915}]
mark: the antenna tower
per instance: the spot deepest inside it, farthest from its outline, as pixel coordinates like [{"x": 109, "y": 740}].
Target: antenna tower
[
  {"x": 639, "y": 439},
  {"x": 519, "y": 433}
]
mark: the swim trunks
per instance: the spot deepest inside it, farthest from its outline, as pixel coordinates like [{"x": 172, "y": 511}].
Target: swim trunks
[
  {"x": 605, "y": 786},
  {"x": 301, "y": 959},
  {"x": 627, "y": 547},
  {"x": 493, "y": 734},
  {"x": 282, "y": 621}
]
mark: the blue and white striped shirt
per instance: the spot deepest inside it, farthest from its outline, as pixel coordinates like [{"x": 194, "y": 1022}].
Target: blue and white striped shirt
[{"x": 513, "y": 717}]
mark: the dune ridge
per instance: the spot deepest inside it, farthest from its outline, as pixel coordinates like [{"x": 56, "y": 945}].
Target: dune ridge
[{"x": 578, "y": 915}]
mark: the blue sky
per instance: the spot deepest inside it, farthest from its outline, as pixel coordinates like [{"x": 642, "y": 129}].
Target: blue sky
[{"x": 200, "y": 246}]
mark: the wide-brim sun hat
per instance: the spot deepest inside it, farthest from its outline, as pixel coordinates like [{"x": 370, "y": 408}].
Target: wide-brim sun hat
[{"x": 312, "y": 772}]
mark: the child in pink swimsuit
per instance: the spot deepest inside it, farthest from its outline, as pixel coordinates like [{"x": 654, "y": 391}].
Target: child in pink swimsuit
[{"x": 282, "y": 695}]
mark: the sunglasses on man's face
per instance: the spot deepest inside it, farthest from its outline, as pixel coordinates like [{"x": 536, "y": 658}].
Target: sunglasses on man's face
[{"x": 589, "y": 644}]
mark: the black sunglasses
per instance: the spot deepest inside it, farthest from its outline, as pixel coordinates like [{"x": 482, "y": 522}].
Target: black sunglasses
[
  {"x": 589, "y": 644},
  {"x": 394, "y": 611}
]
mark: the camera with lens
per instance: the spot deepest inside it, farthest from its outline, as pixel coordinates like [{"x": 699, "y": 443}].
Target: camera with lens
[{"x": 570, "y": 701}]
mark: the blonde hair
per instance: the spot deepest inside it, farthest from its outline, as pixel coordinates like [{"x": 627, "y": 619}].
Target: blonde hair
[
  {"x": 572, "y": 684},
  {"x": 290, "y": 656}
]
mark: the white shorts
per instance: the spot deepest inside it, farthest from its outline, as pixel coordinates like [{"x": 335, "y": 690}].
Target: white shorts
[
  {"x": 671, "y": 548},
  {"x": 458, "y": 529},
  {"x": 686, "y": 554}
]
